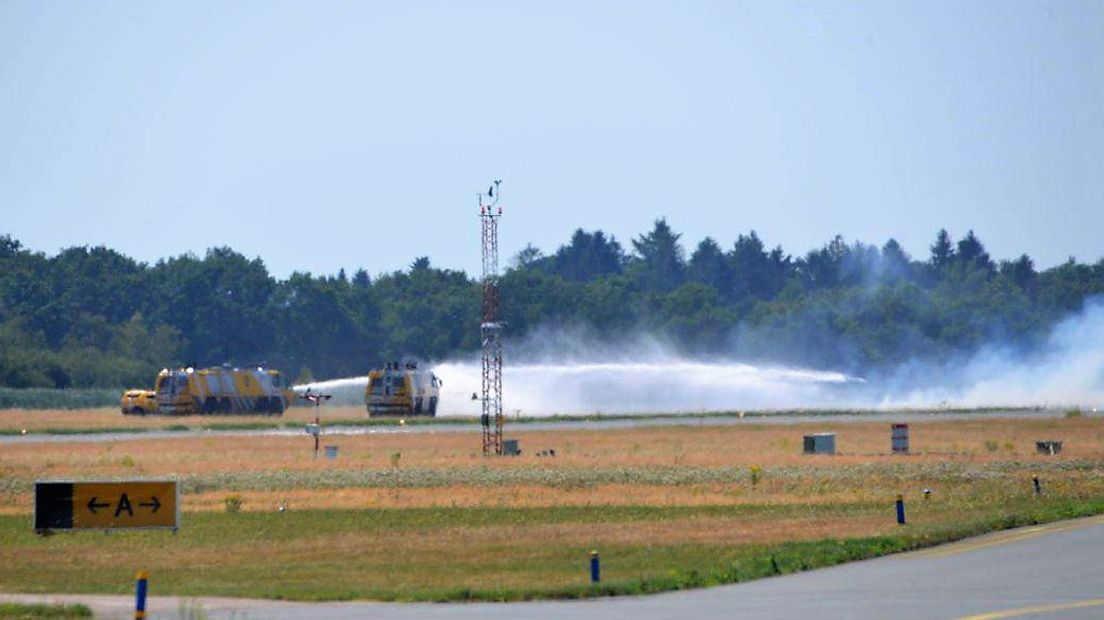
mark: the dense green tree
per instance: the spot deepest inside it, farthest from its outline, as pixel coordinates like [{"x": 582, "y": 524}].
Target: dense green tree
[
  {"x": 528, "y": 257},
  {"x": 588, "y": 256},
  {"x": 314, "y": 325},
  {"x": 694, "y": 316},
  {"x": 221, "y": 303},
  {"x": 25, "y": 360},
  {"x": 1065, "y": 288},
  {"x": 942, "y": 251},
  {"x": 611, "y": 305},
  {"x": 1020, "y": 272},
  {"x": 971, "y": 254},
  {"x": 427, "y": 313},
  {"x": 823, "y": 268},
  {"x": 895, "y": 263},
  {"x": 709, "y": 265},
  {"x": 756, "y": 273},
  {"x": 361, "y": 279},
  {"x": 9, "y": 247},
  {"x": 659, "y": 264},
  {"x": 531, "y": 298}
]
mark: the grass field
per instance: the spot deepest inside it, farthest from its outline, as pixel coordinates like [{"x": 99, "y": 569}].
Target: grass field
[{"x": 426, "y": 517}]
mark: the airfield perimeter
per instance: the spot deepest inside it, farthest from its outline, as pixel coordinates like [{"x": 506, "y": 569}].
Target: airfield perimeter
[{"x": 424, "y": 516}]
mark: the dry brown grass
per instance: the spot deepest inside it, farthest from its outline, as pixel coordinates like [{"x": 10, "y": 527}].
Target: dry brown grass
[
  {"x": 862, "y": 471},
  {"x": 504, "y": 497},
  {"x": 692, "y": 446}
]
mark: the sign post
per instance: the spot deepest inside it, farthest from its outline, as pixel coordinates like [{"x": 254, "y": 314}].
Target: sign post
[
  {"x": 315, "y": 429},
  {"x": 140, "y": 589},
  {"x": 138, "y": 504}
]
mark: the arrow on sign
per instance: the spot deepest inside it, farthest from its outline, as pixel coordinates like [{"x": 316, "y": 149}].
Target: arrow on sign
[
  {"x": 156, "y": 504},
  {"x": 92, "y": 505}
]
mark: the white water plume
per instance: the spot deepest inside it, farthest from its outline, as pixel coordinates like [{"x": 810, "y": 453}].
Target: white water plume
[
  {"x": 346, "y": 391},
  {"x": 645, "y": 377},
  {"x": 661, "y": 386}
]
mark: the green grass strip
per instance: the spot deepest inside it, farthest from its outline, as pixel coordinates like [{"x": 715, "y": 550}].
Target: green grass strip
[
  {"x": 31, "y": 611},
  {"x": 756, "y": 561}
]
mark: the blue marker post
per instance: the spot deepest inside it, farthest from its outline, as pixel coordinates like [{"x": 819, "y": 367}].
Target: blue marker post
[
  {"x": 595, "y": 569},
  {"x": 140, "y": 596},
  {"x": 900, "y": 509}
]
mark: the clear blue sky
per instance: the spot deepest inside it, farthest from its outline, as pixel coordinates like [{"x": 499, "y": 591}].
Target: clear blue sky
[{"x": 320, "y": 135}]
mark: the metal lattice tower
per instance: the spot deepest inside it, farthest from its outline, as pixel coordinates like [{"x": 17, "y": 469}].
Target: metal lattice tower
[{"x": 490, "y": 328}]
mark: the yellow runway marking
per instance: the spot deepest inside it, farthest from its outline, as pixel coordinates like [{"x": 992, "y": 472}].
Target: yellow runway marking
[
  {"x": 1006, "y": 538},
  {"x": 1023, "y": 611}
]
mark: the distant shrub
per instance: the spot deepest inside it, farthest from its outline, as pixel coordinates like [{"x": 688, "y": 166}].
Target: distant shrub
[
  {"x": 233, "y": 503},
  {"x": 991, "y": 445},
  {"x": 1073, "y": 413}
]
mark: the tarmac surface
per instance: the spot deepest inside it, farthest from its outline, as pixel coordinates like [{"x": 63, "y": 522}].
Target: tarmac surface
[
  {"x": 611, "y": 422},
  {"x": 1049, "y": 571}
]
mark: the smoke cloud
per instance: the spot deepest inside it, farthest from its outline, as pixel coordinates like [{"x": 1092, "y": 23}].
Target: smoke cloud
[{"x": 1067, "y": 371}]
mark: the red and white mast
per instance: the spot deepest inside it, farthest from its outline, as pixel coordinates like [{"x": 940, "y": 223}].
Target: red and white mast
[{"x": 490, "y": 329}]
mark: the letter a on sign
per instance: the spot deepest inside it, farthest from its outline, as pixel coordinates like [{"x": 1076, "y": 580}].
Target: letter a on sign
[{"x": 124, "y": 504}]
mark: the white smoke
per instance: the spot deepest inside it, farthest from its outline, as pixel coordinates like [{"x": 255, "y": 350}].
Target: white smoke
[{"x": 1067, "y": 371}]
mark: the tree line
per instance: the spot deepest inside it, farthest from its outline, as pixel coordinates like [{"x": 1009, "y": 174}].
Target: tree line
[{"x": 92, "y": 317}]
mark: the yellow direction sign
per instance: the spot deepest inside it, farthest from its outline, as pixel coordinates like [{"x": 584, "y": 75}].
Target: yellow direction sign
[{"x": 107, "y": 505}]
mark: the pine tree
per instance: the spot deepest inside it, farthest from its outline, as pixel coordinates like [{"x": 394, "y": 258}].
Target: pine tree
[
  {"x": 942, "y": 251},
  {"x": 661, "y": 263},
  {"x": 971, "y": 253},
  {"x": 709, "y": 266}
]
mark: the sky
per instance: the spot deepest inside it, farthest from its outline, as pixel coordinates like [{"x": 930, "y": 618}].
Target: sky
[{"x": 326, "y": 135}]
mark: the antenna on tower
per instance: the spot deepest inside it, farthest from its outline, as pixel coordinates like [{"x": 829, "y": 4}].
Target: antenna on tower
[{"x": 490, "y": 329}]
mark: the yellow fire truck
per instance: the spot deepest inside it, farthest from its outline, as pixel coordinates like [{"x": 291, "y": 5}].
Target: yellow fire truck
[
  {"x": 223, "y": 390},
  {"x": 402, "y": 390}
]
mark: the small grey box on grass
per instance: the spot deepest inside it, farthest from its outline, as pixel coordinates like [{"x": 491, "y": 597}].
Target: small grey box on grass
[{"x": 820, "y": 443}]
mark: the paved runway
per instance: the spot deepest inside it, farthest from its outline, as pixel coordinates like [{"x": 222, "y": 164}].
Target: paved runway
[
  {"x": 612, "y": 422},
  {"x": 1050, "y": 571}
]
